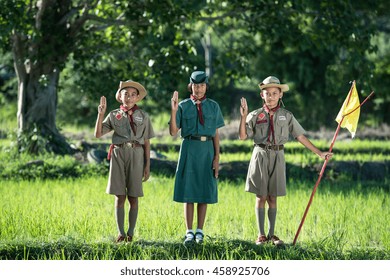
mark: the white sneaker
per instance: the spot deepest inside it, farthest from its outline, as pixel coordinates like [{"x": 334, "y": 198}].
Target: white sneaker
[
  {"x": 199, "y": 237},
  {"x": 189, "y": 238}
]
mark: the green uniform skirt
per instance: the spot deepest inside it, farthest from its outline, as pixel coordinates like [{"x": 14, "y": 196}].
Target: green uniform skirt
[{"x": 195, "y": 181}]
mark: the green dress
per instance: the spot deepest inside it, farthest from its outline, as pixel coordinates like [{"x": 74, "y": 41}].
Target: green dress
[{"x": 195, "y": 181}]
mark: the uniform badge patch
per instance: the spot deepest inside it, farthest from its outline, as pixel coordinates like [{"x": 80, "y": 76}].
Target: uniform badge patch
[
  {"x": 138, "y": 119},
  {"x": 261, "y": 116},
  {"x": 282, "y": 118},
  {"x": 118, "y": 116}
]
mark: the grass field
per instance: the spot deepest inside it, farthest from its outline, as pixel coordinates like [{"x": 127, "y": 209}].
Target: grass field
[
  {"x": 74, "y": 219},
  {"x": 69, "y": 216}
]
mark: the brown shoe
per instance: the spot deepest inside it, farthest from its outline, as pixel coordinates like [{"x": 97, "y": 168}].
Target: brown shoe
[
  {"x": 129, "y": 238},
  {"x": 120, "y": 238},
  {"x": 261, "y": 239},
  {"x": 275, "y": 240}
]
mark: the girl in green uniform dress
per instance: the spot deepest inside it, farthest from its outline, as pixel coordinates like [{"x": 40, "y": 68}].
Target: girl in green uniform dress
[
  {"x": 198, "y": 118},
  {"x": 270, "y": 127}
]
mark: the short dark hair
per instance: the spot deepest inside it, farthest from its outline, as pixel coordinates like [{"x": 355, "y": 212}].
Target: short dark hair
[{"x": 189, "y": 87}]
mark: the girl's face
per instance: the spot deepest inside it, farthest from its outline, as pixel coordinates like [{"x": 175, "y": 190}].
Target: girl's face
[
  {"x": 199, "y": 90},
  {"x": 129, "y": 96},
  {"x": 271, "y": 96}
]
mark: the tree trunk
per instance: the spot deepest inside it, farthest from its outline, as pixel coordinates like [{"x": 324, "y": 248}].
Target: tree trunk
[
  {"x": 38, "y": 60},
  {"x": 37, "y": 106}
]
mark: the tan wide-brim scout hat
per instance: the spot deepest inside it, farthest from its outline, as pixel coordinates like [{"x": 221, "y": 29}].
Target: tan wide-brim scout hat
[
  {"x": 272, "y": 81},
  {"x": 141, "y": 90}
]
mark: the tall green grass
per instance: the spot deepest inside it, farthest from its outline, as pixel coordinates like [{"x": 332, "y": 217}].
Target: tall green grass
[{"x": 74, "y": 219}]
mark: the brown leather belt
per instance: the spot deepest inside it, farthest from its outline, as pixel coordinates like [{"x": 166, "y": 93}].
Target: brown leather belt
[
  {"x": 199, "y": 138},
  {"x": 128, "y": 144},
  {"x": 270, "y": 147}
]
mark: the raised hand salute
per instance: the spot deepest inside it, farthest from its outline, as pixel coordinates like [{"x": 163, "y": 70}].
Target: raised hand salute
[
  {"x": 102, "y": 106},
  {"x": 243, "y": 107},
  {"x": 175, "y": 100}
]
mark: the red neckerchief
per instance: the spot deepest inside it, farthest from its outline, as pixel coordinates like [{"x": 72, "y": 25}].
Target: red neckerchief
[
  {"x": 271, "y": 130},
  {"x": 199, "y": 107},
  {"x": 130, "y": 114}
]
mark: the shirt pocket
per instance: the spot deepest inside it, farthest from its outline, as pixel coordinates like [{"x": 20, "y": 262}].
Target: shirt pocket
[
  {"x": 140, "y": 126},
  {"x": 210, "y": 121},
  {"x": 281, "y": 131},
  {"x": 260, "y": 131},
  {"x": 189, "y": 120},
  {"x": 121, "y": 127}
]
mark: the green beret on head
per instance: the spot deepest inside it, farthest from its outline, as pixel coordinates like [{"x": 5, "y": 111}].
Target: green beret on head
[{"x": 199, "y": 77}]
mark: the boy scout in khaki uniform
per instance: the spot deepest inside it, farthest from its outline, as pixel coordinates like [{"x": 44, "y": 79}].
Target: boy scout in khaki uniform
[
  {"x": 129, "y": 152},
  {"x": 270, "y": 127}
]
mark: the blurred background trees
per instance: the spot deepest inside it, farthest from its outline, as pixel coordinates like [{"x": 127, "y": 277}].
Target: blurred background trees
[{"x": 59, "y": 57}]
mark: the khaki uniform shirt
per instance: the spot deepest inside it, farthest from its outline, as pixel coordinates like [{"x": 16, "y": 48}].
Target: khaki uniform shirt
[
  {"x": 285, "y": 124},
  {"x": 118, "y": 121}
]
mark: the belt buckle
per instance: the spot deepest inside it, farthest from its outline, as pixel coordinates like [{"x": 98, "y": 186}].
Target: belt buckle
[
  {"x": 130, "y": 144},
  {"x": 203, "y": 138},
  {"x": 268, "y": 147}
]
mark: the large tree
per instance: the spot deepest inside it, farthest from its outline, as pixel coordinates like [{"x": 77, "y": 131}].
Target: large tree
[
  {"x": 44, "y": 34},
  {"x": 307, "y": 43}
]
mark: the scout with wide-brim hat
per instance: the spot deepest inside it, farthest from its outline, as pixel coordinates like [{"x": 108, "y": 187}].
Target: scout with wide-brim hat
[
  {"x": 272, "y": 81},
  {"x": 126, "y": 84}
]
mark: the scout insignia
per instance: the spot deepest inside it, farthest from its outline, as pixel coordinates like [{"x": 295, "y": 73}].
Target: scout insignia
[
  {"x": 261, "y": 118},
  {"x": 118, "y": 116},
  {"x": 282, "y": 118},
  {"x": 138, "y": 119}
]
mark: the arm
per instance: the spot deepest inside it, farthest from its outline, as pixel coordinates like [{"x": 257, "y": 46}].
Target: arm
[
  {"x": 242, "y": 134},
  {"x": 216, "y": 153},
  {"x": 101, "y": 111},
  {"x": 146, "y": 160},
  {"x": 306, "y": 142},
  {"x": 173, "y": 129}
]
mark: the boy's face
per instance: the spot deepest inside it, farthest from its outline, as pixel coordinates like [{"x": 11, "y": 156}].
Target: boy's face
[
  {"x": 199, "y": 90},
  {"x": 271, "y": 96},
  {"x": 129, "y": 96}
]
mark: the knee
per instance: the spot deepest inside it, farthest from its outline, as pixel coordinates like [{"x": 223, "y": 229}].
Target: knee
[
  {"x": 271, "y": 201},
  {"x": 133, "y": 201},
  {"x": 120, "y": 201},
  {"x": 260, "y": 201}
]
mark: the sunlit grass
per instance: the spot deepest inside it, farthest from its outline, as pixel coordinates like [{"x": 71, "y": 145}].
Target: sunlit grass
[{"x": 77, "y": 216}]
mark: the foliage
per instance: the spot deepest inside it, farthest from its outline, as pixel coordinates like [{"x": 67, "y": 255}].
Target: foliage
[
  {"x": 316, "y": 47},
  {"x": 24, "y": 166}
]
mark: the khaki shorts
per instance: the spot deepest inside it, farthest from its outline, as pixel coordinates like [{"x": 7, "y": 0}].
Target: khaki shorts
[
  {"x": 266, "y": 173},
  {"x": 126, "y": 171}
]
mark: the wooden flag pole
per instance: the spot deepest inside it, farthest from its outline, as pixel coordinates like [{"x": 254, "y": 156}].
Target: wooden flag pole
[
  {"x": 325, "y": 163},
  {"x": 317, "y": 183}
]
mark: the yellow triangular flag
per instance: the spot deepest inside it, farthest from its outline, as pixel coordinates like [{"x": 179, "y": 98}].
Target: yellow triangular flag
[{"x": 350, "y": 104}]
